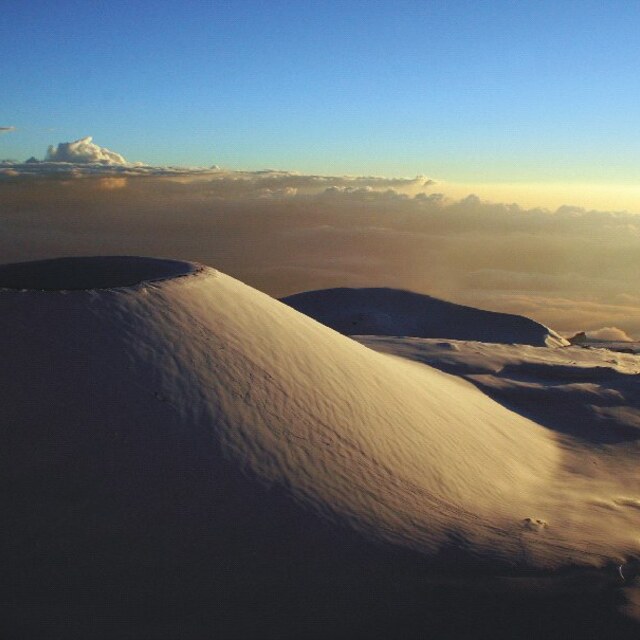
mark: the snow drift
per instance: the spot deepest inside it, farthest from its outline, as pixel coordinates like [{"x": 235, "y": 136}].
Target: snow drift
[
  {"x": 177, "y": 442},
  {"x": 382, "y": 311}
]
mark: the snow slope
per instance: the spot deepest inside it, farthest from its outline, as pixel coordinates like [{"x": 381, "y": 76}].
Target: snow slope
[
  {"x": 395, "y": 312},
  {"x": 590, "y": 396},
  {"x": 189, "y": 437}
]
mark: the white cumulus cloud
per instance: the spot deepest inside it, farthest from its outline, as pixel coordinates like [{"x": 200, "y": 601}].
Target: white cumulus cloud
[{"x": 83, "y": 151}]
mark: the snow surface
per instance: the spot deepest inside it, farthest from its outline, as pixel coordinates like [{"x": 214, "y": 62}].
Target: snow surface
[
  {"x": 589, "y": 394},
  {"x": 194, "y": 438},
  {"x": 631, "y": 346},
  {"x": 383, "y": 311}
]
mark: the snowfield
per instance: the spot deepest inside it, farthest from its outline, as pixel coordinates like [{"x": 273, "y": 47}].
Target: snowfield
[{"x": 188, "y": 444}]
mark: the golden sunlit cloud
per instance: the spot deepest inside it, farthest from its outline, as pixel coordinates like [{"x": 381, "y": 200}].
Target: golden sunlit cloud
[{"x": 110, "y": 183}]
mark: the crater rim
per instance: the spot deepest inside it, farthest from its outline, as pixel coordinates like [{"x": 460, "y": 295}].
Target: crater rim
[{"x": 90, "y": 273}]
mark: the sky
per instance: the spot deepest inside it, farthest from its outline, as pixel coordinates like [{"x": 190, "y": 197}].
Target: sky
[
  {"x": 484, "y": 152},
  {"x": 527, "y": 93}
]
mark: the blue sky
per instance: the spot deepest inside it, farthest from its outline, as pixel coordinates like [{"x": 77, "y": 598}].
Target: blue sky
[{"x": 466, "y": 91}]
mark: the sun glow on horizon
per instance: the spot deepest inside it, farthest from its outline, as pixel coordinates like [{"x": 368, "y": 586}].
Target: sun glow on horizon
[{"x": 550, "y": 195}]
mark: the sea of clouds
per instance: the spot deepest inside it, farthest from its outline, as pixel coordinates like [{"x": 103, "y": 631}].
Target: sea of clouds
[{"x": 283, "y": 232}]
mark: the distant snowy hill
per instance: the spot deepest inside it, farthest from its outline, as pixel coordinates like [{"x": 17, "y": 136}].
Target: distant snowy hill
[{"x": 395, "y": 312}]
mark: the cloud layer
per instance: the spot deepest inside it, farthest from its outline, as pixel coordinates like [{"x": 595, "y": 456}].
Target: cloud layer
[{"x": 283, "y": 232}]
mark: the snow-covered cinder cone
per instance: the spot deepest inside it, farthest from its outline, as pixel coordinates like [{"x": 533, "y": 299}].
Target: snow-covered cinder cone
[
  {"x": 396, "y": 312},
  {"x": 175, "y": 442}
]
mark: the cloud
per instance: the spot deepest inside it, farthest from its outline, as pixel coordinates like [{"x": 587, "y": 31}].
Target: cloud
[
  {"x": 7, "y": 129},
  {"x": 609, "y": 334},
  {"x": 110, "y": 183},
  {"x": 569, "y": 310},
  {"x": 33, "y": 168},
  {"x": 282, "y": 232},
  {"x": 83, "y": 151},
  {"x": 82, "y": 158}
]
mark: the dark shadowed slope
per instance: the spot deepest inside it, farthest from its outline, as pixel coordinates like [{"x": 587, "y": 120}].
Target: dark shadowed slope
[{"x": 395, "y": 312}]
